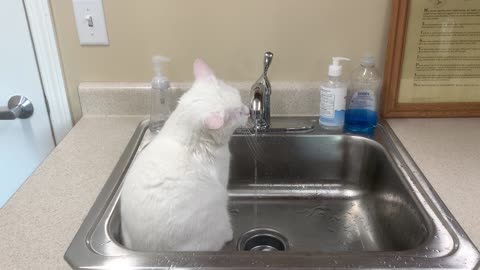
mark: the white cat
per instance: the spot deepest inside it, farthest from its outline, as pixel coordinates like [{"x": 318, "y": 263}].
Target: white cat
[{"x": 174, "y": 197}]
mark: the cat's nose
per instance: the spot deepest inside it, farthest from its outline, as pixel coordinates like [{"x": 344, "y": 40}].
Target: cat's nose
[{"x": 245, "y": 110}]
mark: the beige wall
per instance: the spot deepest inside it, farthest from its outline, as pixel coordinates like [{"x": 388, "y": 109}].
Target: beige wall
[{"x": 230, "y": 35}]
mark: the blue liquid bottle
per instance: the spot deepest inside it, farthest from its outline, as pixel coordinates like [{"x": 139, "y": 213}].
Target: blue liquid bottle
[{"x": 361, "y": 116}]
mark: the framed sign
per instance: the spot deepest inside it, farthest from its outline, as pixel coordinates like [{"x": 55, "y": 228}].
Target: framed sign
[{"x": 433, "y": 59}]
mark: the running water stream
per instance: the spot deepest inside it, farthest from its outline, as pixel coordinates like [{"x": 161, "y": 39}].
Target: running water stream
[{"x": 256, "y": 150}]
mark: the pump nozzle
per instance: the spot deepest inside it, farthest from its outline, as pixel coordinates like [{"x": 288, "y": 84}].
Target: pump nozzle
[
  {"x": 158, "y": 63},
  {"x": 336, "y": 60},
  {"x": 335, "y": 69}
]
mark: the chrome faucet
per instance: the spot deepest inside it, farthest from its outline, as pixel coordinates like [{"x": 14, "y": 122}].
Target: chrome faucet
[
  {"x": 260, "y": 107},
  {"x": 260, "y": 92}
]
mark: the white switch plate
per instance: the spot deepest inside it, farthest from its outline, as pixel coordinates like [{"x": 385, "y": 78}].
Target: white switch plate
[{"x": 90, "y": 10}]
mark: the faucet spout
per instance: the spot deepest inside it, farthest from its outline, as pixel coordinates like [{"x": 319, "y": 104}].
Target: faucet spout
[
  {"x": 256, "y": 105},
  {"x": 256, "y": 110},
  {"x": 260, "y": 101}
]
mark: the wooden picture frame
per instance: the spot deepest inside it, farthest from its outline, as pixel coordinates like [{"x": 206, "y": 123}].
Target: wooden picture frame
[{"x": 391, "y": 108}]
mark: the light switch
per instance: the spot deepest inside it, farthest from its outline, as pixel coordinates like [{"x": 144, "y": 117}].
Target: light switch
[
  {"x": 90, "y": 18},
  {"x": 89, "y": 21}
]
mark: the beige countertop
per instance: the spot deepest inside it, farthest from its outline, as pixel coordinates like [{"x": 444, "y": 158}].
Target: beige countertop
[
  {"x": 447, "y": 151},
  {"x": 38, "y": 223}
]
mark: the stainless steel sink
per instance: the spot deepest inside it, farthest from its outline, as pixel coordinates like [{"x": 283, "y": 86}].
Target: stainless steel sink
[{"x": 307, "y": 200}]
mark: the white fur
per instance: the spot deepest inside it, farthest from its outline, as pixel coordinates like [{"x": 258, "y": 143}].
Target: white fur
[{"x": 174, "y": 197}]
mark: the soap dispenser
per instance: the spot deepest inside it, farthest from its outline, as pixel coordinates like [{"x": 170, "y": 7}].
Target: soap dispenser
[
  {"x": 160, "y": 110},
  {"x": 332, "y": 97}
]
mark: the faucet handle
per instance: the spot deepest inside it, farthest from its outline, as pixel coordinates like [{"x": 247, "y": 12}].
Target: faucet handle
[{"x": 268, "y": 57}]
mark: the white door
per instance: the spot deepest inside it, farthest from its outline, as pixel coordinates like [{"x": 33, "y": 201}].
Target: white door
[{"x": 24, "y": 143}]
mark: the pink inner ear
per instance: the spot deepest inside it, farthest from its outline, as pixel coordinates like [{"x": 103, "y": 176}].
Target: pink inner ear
[
  {"x": 201, "y": 70},
  {"x": 214, "y": 121}
]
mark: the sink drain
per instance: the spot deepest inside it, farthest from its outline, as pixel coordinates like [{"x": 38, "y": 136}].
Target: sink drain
[{"x": 262, "y": 239}]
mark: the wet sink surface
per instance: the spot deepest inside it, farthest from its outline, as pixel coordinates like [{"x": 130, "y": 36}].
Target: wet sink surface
[
  {"x": 323, "y": 193},
  {"x": 321, "y": 199}
]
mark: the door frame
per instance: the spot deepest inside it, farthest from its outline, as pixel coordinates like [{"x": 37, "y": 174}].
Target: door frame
[{"x": 43, "y": 36}]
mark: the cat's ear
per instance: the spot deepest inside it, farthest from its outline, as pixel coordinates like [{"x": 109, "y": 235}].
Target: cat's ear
[
  {"x": 214, "y": 121},
  {"x": 201, "y": 70}
]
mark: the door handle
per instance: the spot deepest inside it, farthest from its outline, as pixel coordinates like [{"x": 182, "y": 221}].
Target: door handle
[{"x": 18, "y": 107}]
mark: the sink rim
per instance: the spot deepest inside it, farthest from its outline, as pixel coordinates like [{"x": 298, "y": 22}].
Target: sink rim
[{"x": 85, "y": 251}]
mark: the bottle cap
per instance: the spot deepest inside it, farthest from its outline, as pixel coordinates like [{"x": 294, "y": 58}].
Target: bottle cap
[{"x": 367, "y": 60}]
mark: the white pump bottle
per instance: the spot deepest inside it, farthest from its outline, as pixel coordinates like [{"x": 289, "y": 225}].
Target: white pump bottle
[
  {"x": 160, "y": 110},
  {"x": 332, "y": 97}
]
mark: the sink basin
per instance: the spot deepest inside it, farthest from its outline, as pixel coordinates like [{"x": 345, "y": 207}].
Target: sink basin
[{"x": 312, "y": 199}]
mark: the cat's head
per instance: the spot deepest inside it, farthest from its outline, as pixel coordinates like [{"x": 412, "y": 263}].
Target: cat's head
[{"x": 217, "y": 106}]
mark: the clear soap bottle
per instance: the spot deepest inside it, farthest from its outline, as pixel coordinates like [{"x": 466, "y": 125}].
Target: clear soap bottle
[
  {"x": 159, "y": 111},
  {"x": 332, "y": 97}
]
